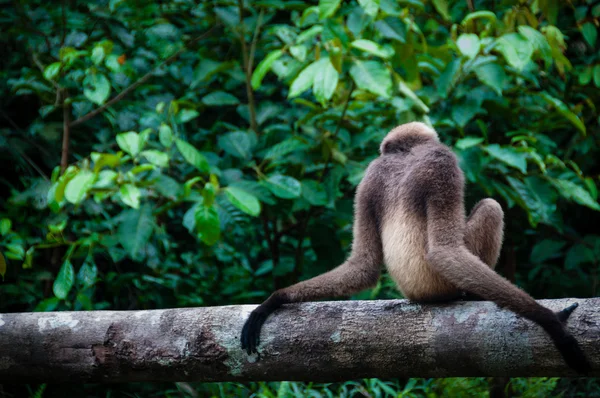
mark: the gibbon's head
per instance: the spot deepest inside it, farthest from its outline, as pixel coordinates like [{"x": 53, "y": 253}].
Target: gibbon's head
[{"x": 406, "y": 136}]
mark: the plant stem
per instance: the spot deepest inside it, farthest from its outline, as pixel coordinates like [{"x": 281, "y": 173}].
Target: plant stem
[{"x": 248, "y": 58}]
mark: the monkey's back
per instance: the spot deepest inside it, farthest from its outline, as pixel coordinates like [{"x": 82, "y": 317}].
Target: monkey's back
[{"x": 403, "y": 225}]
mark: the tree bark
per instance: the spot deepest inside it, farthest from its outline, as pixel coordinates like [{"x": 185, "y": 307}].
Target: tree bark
[{"x": 326, "y": 341}]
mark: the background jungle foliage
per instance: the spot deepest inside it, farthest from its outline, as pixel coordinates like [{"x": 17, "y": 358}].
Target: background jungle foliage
[{"x": 182, "y": 153}]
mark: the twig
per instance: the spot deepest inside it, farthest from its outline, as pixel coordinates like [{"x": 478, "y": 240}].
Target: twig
[
  {"x": 64, "y": 158},
  {"x": 247, "y": 69},
  {"x": 38, "y": 63},
  {"x": 140, "y": 81}
]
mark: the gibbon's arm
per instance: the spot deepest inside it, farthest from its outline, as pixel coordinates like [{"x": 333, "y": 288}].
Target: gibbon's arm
[
  {"x": 448, "y": 255},
  {"x": 359, "y": 272}
]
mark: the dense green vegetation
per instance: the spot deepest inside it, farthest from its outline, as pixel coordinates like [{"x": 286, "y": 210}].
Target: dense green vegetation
[{"x": 181, "y": 153}]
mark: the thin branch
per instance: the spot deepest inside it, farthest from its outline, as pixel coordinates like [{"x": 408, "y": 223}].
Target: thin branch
[
  {"x": 255, "y": 41},
  {"x": 64, "y": 158},
  {"x": 40, "y": 66},
  {"x": 140, "y": 81},
  {"x": 247, "y": 70}
]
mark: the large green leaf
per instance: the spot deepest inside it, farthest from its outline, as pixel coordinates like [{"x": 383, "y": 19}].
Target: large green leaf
[
  {"x": 468, "y": 44},
  {"x": 305, "y": 79},
  {"x": 370, "y": 7},
  {"x": 208, "y": 226},
  {"x": 96, "y": 88},
  {"x": 243, "y": 200},
  {"x": 371, "y": 47},
  {"x": 135, "y": 230},
  {"x": 130, "y": 194},
  {"x": 78, "y": 187},
  {"x": 52, "y": 70},
  {"x": 192, "y": 156},
  {"x": 130, "y": 142},
  {"x": 64, "y": 280},
  {"x": 572, "y": 191},
  {"x": 517, "y": 50},
  {"x": 508, "y": 155},
  {"x": 328, "y": 7},
  {"x": 165, "y": 135},
  {"x": 158, "y": 158},
  {"x": 372, "y": 76},
  {"x": 492, "y": 75},
  {"x": 590, "y": 33},
  {"x": 237, "y": 143},
  {"x": 284, "y": 187},
  {"x": 325, "y": 82},
  {"x": 392, "y": 28}
]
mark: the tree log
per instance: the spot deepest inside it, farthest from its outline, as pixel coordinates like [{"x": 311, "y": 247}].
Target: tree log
[{"x": 325, "y": 341}]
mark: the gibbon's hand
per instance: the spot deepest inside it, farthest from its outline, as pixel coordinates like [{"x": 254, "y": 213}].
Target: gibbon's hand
[{"x": 251, "y": 331}]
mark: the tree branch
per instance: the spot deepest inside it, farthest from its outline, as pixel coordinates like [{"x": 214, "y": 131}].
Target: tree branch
[
  {"x": 327, "y": 341},
  {"x": 140, "y": 81}
]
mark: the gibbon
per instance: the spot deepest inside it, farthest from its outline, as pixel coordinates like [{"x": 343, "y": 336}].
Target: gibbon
[{"x": 409, "y": 215}]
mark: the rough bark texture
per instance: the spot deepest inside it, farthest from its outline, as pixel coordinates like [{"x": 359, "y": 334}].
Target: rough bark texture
[{"x": 326, "y": 341}]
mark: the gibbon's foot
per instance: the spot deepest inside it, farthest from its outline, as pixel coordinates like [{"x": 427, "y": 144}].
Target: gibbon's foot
[
  {"x": 573, "y": 355},
  {"x": 251, "y": 330},
  {"x": 564, "y": 314}
]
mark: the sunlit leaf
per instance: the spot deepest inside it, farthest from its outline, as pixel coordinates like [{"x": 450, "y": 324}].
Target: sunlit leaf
[
  {"x": 220, "y": 98},
  {"x": 51, "y": 72},
  {"x": 130, "y": 142},
  {"x": 77, "y": 188},
  {"x": 130, "y": 194},
  {"x": 370, "y": 7},
  {"x": 243, "y": 200},
  {"x": 96, "y": 88},
  {"x": 158, "y": 158},
  {"x": 508, "y": 155},
  {"x": 165, "y": 135},
  {"x": 305, "y": 79},
  {"x": 564, "y": 111},
  {"x": 372, "y": 76},
  {"x": 263, "y": 67},
  {"x": 325, "y": 82},
  {"x": 208, "y": 226},
  {"x": 468, "y": 44},
  {"x": 328, "y": 7}
]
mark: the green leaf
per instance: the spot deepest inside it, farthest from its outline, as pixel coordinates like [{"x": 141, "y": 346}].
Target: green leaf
[
  {"x": 130, "y": 194},
  {"x": 325, "y": 82},
  {"x": 5, "y": 226},
  {"x": 442, "y": 7},
  {"x": 314, "y": 193},
  {"x": 237, "y": 143},
  {"x": 305, "y": 79},
  {"x": 328, "y": 7},
  {"x": 78, "y": 187},
  {"x": 52, "y": 70},
  {"x": 130, "y": 142},
  {"x": 508, "y": 155},
  {"x": 208, "y": 225},
  {"x": 192, "y": 156},
  {"x": 243, "y": 200},
  {"x": 158, "y": 158},
  {"x": 48, "y": 304},
  {"x": 284, "y": 187},
  {"x": 468, "y": 142},
  {"x": 263, "y": 67},
  {"x": 590, "y": 33},
  {"x": 392, "y": 28},
  {"x": 2, "y": 266},
  {"x": 373, "y": 48},
  {"x": 534, "y": 196},
  {"x": 185, "y": 115},
  {"x": 165, "y": 135},
  {"x": 87, "y": 274},
  {"x": 572, "y": 191},
  {"x": 220, "y": 98},
  {"x": 28, "y": 263},
  {"x": 577, "y": 255},
  {"x": 96, "y": 88},
  {"x": 284, "y": 147},
  {"x": 372, "y": 76},
  {"x": 492, "y": 75},
  {"x": 447, "y": 80},
  {"x": 564, "y": 110},
  {"x": 469, "y": 44},
  {"x": 135, "y": 230},
  {"x": 98, "y": 55},
  {"x": 597, "y": 75},
  {"x": 370, "y": 7},
  {"x": 64, "y": 280},
  {"x": 516, "y": 49}
]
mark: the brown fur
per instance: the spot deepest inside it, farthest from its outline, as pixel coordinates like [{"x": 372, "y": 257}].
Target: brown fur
[{"x": 409, "y": 215}]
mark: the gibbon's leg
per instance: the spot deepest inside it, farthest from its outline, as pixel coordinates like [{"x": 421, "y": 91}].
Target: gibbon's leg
[
  {"x": 359, "y": 272},
  {"x": 448, "y": 254},
  {"x": 484, "y": 231}
]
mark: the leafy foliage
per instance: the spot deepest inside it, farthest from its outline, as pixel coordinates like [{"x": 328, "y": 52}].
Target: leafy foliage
[{"x": 211, "y": 149}]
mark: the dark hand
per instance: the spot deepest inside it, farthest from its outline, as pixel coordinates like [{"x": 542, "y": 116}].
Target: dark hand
[{"x": 251, "y": 330}]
